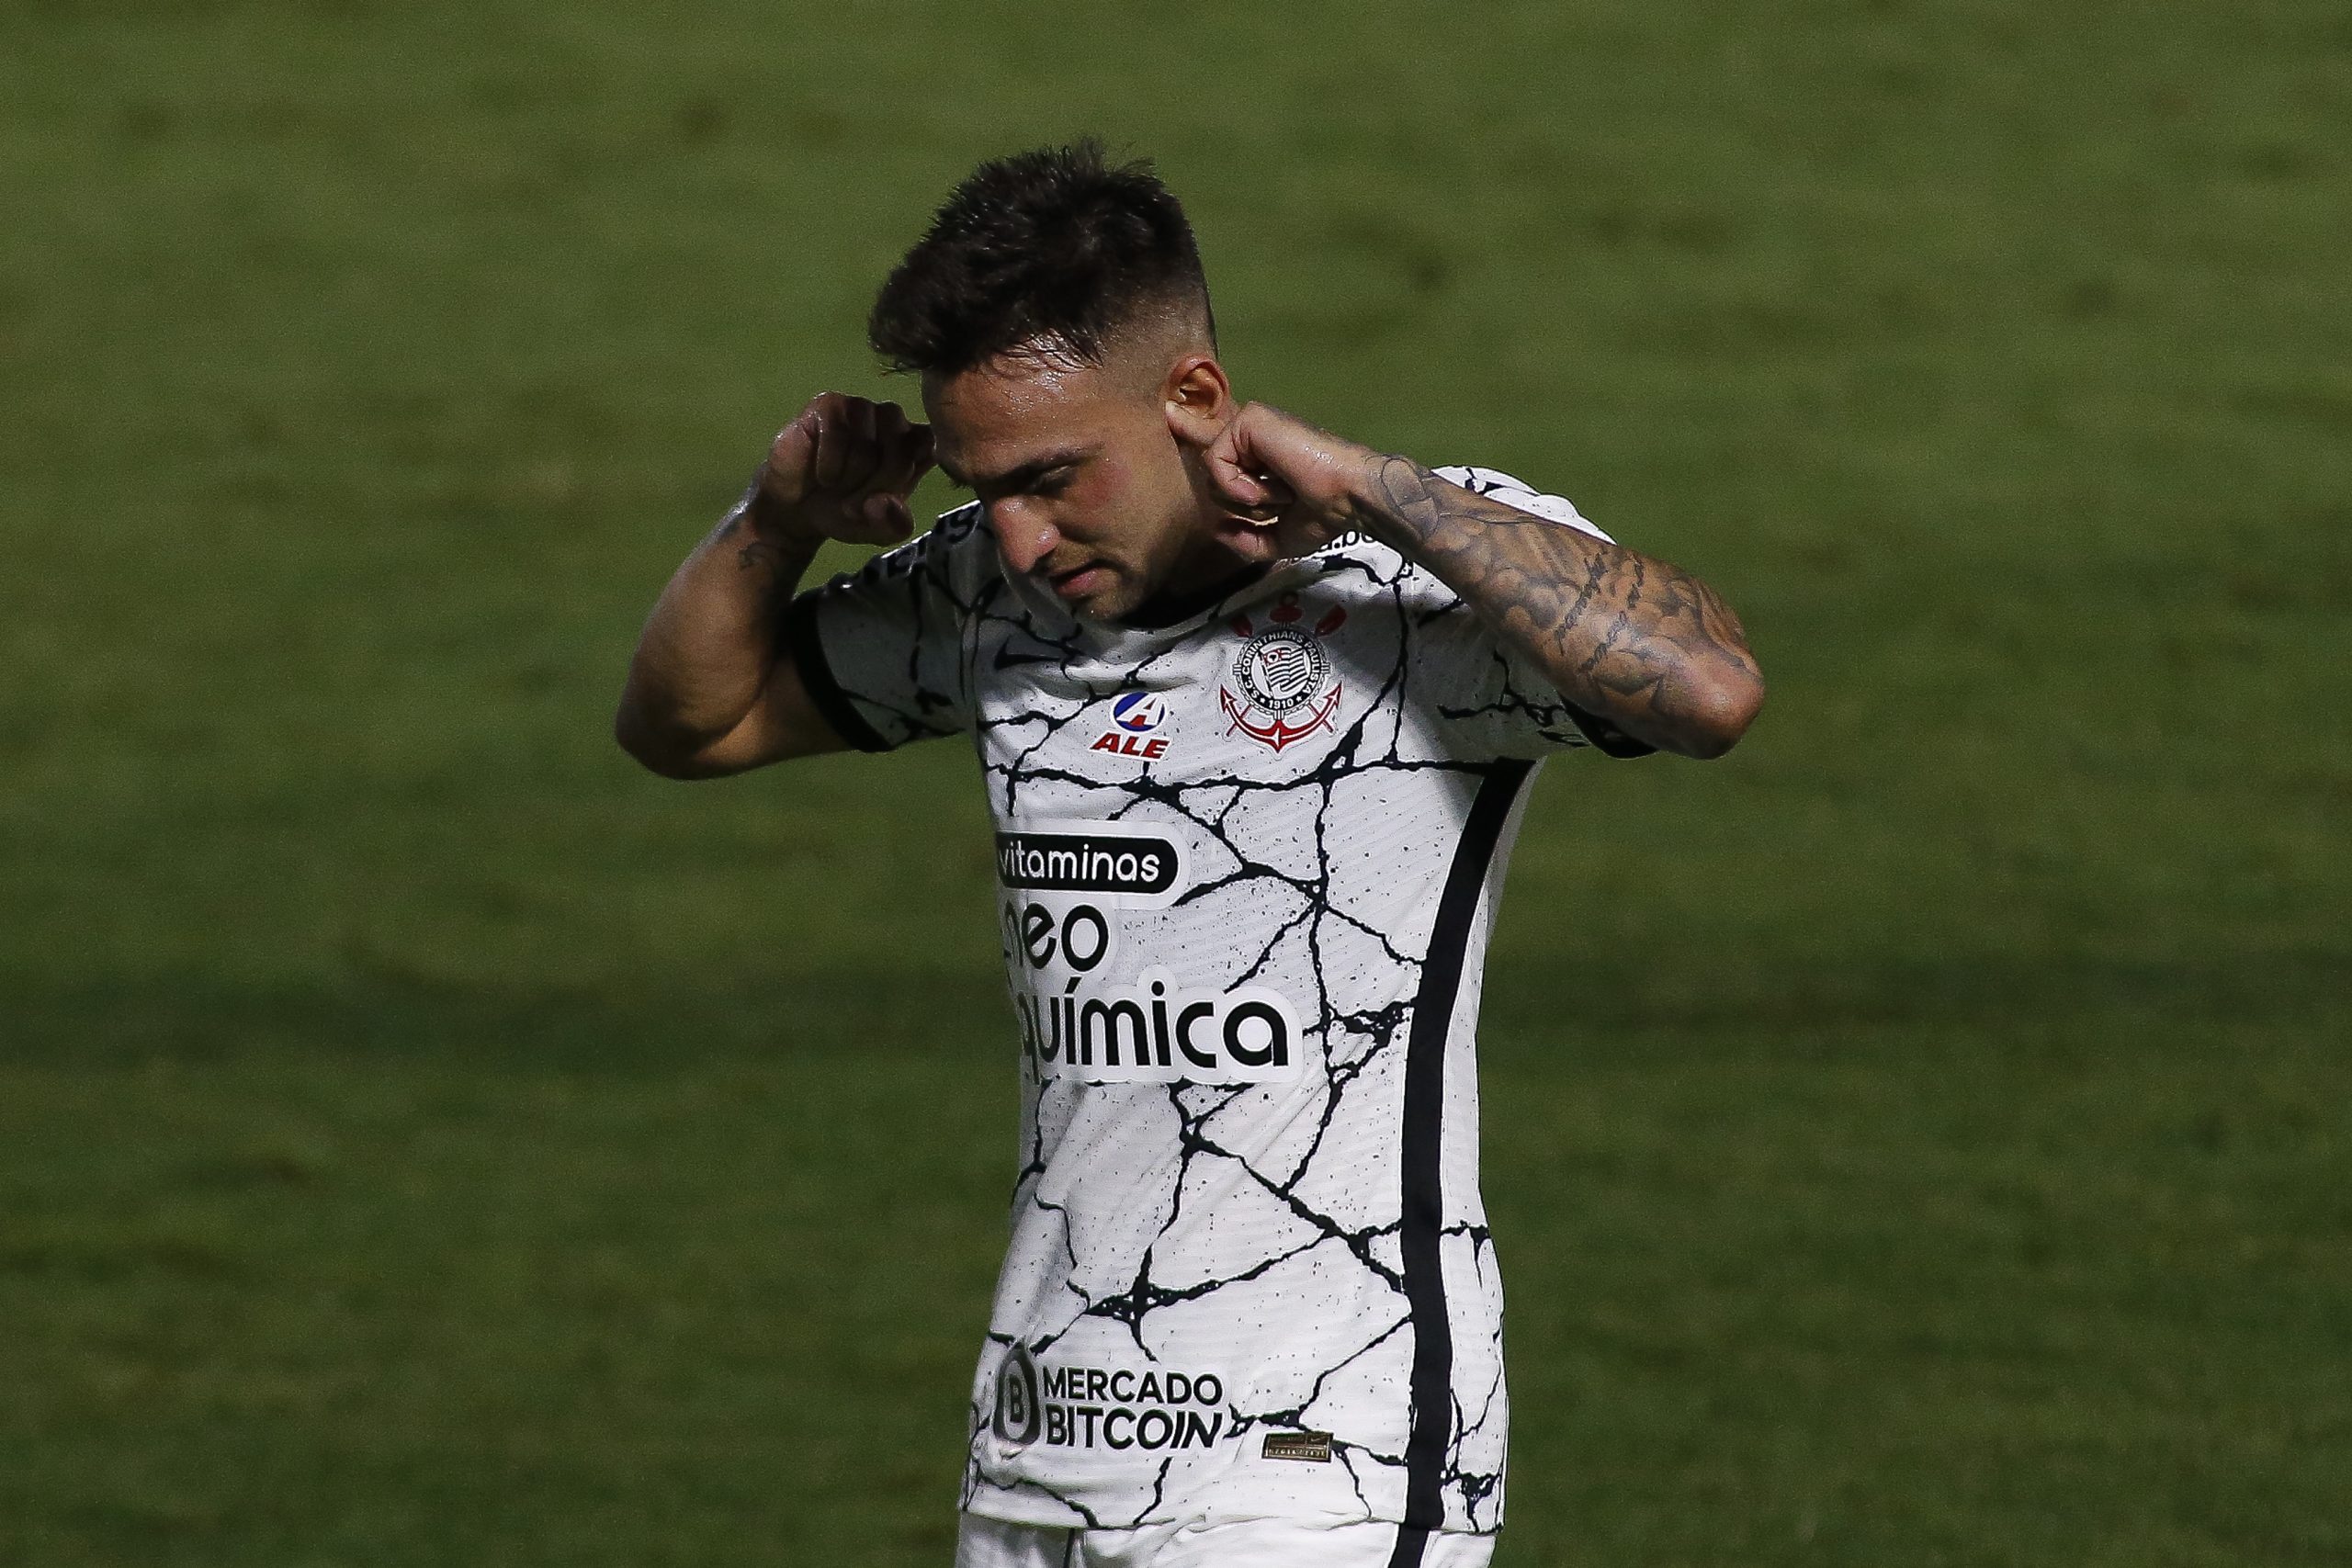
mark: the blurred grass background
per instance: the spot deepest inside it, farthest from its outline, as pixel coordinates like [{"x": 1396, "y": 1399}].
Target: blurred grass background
[{"x": 1919, "y": 1138}]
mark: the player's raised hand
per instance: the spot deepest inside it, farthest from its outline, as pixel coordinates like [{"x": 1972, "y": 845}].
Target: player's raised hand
[
  {"x": 1289, "y": 485},
  {"x": 843, "y": 469}
]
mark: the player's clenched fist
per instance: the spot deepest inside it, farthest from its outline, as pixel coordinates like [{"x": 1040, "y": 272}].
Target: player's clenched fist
[
  {"x": 1292, "y": 485},
  {"x": 843, "y": 470}
]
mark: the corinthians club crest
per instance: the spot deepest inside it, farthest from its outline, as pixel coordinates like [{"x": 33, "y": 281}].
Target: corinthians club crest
[{"x": 1282, "y": 688}]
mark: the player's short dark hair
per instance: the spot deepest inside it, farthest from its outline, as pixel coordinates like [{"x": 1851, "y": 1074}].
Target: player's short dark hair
[{"x": 1057, "y": 244}]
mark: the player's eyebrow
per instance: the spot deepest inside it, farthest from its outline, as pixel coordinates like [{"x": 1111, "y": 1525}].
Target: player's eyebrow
[{"x": 1017, "y": 478}]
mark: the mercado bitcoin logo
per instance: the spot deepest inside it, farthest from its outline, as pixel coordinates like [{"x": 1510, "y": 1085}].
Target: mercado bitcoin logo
[
  {"x": 1017, "y": 1410},
  {"x": 1150, "y": 1408}
]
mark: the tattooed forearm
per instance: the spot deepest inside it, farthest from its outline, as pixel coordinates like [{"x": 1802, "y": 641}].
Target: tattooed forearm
[
  {"x": 1641, "y": 643},
  {"x": 783, "y": 557},
  {"x": 779, "y": 566}
]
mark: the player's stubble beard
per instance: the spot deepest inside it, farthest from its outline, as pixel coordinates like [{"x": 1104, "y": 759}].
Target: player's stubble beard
[{"x": 1184, "y": 554}]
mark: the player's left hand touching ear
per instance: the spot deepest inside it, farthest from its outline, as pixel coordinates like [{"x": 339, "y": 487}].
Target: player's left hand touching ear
[{"x": 1291, "y": 485}]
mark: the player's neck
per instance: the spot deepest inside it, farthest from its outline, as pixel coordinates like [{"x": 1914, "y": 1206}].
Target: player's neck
[{"x": 1172, "y": 604}]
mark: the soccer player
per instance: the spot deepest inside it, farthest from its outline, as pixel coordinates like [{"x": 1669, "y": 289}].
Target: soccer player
[{"x": 1257, "y": 710}]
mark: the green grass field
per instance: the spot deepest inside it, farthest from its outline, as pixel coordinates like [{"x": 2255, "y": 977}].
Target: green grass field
[{"x": 1918, "y": 1139}]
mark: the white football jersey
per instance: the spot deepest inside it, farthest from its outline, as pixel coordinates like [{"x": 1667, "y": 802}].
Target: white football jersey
[{"x": 1246, "y": 863}]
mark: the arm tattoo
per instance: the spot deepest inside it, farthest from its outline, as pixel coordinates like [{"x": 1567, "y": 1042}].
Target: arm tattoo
[
  {"x": 1621, "y": 634},
  {"x": 754, "y": 551}
]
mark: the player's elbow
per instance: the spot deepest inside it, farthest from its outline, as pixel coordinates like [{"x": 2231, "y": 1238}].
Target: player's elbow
[
  {"x": 654, "y": 749},
  {"x": 1720, "y": 710}
]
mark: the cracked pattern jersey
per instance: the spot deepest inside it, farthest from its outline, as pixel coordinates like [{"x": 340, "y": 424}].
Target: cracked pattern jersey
[{"x": 1246, "y": 866}]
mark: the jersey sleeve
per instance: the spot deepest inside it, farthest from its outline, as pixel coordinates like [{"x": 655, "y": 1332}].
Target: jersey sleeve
[
  {"x": 882, "y": 650},
  {"x": 1490, "y": 700}
]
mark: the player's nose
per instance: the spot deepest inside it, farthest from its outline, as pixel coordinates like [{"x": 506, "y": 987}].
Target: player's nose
[{"x": 1025, "y": 538}]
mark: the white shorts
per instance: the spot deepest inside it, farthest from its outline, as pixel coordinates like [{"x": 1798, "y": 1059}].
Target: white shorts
[{"x": 1239, "y": 1543}]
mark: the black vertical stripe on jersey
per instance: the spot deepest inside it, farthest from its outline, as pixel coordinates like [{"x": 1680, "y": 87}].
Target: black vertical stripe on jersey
[{"x": 1424, "y": 1211}]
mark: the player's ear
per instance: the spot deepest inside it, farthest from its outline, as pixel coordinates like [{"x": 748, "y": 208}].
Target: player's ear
[{"x": 1197, "y": 399}]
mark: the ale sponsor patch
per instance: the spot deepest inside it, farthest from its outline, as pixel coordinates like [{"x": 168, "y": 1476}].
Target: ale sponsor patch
[{"x": 1134, "y": 716}]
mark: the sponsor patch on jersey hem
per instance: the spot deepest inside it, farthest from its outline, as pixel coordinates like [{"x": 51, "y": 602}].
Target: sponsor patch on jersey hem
[{"x": 1309, "y": 1448}]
